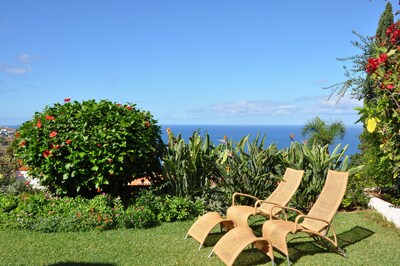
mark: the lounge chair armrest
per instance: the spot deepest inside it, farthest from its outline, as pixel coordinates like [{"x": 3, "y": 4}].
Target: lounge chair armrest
[
  {"x": 242, "y": 194},
  {"x": 258, "y": 204},
  {"x": 284, "y": 209},
  {"x": 329, "y": 224},
  {"x": 303, "y": 216}
]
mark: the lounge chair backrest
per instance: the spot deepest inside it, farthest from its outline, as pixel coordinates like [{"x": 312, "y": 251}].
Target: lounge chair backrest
[
  {"x": 328, "y": 201},
  {"x": 284, "y": 191}
]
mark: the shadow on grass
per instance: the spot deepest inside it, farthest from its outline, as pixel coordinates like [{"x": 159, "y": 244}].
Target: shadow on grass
[
  {"x": 70, "y": 263},
  {"x": 310, "y": 246},
  {"x": 299, "y": 246}
]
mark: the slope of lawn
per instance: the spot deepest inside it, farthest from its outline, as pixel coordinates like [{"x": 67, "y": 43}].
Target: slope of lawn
[{"x": 366, "y": 237}]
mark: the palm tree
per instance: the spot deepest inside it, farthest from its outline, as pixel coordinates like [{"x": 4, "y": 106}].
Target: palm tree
[{"x": 321, "y": 133}]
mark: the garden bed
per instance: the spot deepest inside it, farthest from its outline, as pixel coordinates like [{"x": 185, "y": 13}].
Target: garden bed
[{"x": 388, "y": 210}]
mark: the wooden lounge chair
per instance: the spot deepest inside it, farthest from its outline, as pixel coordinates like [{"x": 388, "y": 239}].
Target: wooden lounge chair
[
  {"x": 237, "y": 215},
  {"x": 316, "y": 223}
]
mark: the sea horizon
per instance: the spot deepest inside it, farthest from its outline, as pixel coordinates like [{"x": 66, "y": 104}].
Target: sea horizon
[{"x": 275, "y": 133}]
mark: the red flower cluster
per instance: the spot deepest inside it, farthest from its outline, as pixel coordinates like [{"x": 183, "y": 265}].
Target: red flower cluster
[
  {"x": 39, "y": 123},
  {"x": 46, "y": 153},
  {"x": 394, "y": 33},
  {"x": 49, "y": 117},
  {"x": 374, "y": 63},
  {"x": 68, "y": 141},
  {"x": 53, "y": 134},
  {"x": 67, "y": 100}
]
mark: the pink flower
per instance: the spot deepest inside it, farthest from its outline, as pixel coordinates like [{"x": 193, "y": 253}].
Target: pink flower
[
  {"x": 67, "y": 100},
  {"x": 53, "y": 134},
  {"x": 390, "y": 87}
]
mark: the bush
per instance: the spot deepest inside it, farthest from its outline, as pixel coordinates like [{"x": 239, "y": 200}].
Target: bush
[
  {"x": 169, "y": 208},
  {"x": 90, "y": 147},
  {"x": 44, "y": 213}
]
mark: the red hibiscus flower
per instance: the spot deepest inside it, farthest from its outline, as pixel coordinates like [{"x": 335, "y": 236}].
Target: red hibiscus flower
[
  {"x": 55, "y": 146},
  {"x": 49, "y": 117},
  {"x": 22, "y": 144},
  {"x": 67, "y": 100},
  {"x": 39, "y": 123},
  {"x": 53, "y": 134},
  {"x": 46, "y": 153},
  {"x": 68, "y": 141},
  {"x": 390, "y": 87},
  {"x": 17, "y": 134}
]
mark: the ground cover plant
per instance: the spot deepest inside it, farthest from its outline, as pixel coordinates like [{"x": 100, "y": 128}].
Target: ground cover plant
[
  {"x": 367, "y": 238},
  {"x": 42, "y": 212}
]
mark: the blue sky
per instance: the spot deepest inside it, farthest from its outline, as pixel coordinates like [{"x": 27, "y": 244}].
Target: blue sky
[{"x": 186, "y": 61}]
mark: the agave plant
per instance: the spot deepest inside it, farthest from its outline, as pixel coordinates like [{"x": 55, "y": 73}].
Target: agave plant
[
  {"x": 188, "y": 167},
  {"x": 248, "y": 167}
]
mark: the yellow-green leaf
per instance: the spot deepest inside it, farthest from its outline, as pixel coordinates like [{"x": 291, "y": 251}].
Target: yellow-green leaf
[{"x": 371, "y": 124}]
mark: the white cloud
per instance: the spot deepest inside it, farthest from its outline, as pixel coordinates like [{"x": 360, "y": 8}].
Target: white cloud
[
  {"x": 296, "y": 111},
  {"x": 26, "y": 58},
  {"x": 15, "y": 70}
]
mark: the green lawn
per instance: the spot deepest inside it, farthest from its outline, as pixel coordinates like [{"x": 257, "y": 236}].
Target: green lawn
[{"x": 367, "y": 238}]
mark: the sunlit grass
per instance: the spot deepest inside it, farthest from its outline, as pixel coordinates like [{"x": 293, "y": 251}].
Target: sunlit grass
[{"x": 367, "y": 238}]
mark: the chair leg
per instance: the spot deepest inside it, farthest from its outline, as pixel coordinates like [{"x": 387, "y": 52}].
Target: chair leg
[
  {"x": 211, "y": 253},
  {"x": 288, "y": 260},
  {"x": 341, "y": 251}
]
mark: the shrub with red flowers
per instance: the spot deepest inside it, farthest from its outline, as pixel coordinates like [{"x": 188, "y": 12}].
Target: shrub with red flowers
[
  {"x": 89, "y": 147},
  {"x": 384, "y": 116}
]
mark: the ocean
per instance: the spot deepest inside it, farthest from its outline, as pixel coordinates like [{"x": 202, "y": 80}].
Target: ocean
[{"x": 278, "y": 134}]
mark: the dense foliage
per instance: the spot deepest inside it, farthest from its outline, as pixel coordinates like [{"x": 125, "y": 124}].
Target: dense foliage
[
  {"x": 384, "y": 116},
  {"x": 39, "y": 211},
  {"x": 84, "y": 148},
  {"x": 248, "y": 166}
]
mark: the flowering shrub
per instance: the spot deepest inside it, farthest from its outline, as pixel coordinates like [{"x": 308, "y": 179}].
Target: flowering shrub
[
  {"x": 89, "y": 147},
  {"x": 384, "y": 115}
]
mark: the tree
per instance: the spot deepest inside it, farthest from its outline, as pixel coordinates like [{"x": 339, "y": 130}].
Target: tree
[
  {"x": 362, "y": 87},
  {"x": 385, "y": 21},
  {"x": 375, "y": 168},
  {"x": 323, "y": 133}
]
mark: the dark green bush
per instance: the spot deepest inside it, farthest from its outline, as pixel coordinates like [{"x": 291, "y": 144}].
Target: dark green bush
[
  {"x": 89, "y": 147},
  {"x": 44, "y": 213}
]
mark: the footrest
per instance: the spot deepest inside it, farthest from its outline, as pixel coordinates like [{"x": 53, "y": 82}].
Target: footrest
[
  {"x": 235, "y": 241},
  {"x": 203, "y": 226}
]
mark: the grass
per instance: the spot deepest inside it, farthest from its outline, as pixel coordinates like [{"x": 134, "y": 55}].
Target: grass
[{"x": 367, "y": 238}]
